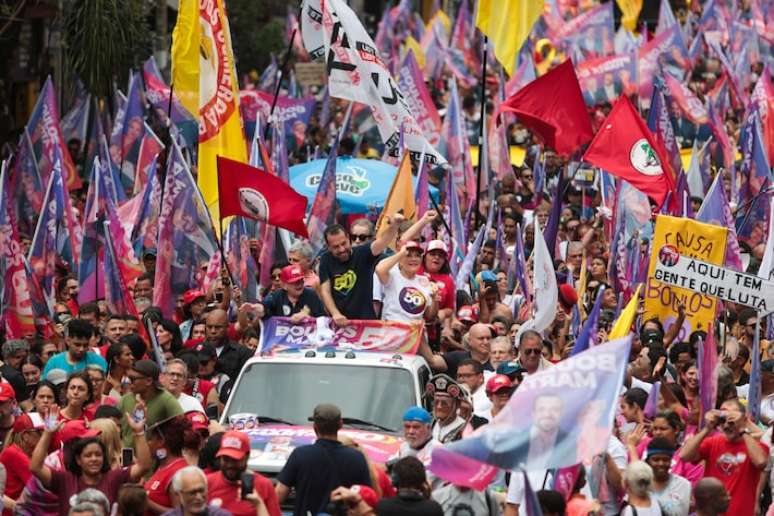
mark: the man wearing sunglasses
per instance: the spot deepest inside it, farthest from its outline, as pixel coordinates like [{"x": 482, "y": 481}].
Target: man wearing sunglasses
[
  {"x": 531, "y": 352},
  {"x": 446, "y": 393}
]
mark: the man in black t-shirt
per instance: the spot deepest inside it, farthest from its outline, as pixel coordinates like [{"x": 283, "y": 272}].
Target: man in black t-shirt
[{"x": 346, "y": 272}]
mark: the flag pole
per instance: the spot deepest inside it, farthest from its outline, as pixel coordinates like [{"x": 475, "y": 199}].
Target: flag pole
[
  {"x": 481, "y": 129},
  {"x": 219, "y": 237},
  {"x": 279, "y": 83},
  {"x": 440, "y": 214}
]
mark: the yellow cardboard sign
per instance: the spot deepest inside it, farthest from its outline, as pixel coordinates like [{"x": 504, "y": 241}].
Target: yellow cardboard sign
[{"x": 698, "y": 240}]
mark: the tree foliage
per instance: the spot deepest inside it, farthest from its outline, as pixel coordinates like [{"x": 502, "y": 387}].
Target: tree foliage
[{"x": 254, "y": 34}]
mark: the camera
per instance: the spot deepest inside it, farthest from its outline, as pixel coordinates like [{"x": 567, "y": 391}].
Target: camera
[{"x": 722, "y": 418}]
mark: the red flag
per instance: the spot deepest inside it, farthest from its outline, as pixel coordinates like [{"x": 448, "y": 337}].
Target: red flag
[
  {"x": 552, "y": 106},
  {"x": 626, "y": 148},
  {"x": 250, "y": 192}
]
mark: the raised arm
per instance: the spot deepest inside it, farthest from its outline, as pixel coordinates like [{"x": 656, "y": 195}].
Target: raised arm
[
  {"x": 416, "y": 229},
  {"x": 384, "y": 266},
  {"x": 37, "y": 468},
  {"x": 387, "y": 237},
  {"x": 143, "y": 460}
]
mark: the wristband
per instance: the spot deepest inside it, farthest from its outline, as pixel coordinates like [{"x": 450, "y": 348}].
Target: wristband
[{"x": 140, "y": 434}]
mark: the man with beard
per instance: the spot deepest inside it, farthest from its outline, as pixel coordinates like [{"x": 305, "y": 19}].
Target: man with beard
[{"x": 225, "y": 486}]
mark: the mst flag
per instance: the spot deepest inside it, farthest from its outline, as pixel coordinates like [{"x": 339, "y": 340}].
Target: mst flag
[
  {"x": 357, "y": 73},
  {"x": 625, "y": 147},
  {"x": 552, "y": 106},
  {"x": 250, "y": 192}
]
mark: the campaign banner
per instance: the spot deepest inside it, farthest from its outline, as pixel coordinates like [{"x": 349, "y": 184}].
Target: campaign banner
[
  {"x": 280, "y": 334},
  {"x": 666, "y": 50},
  {"x": 412, "y": 84},
  {"x": 713, "y": 280},
  {"x": 292, "y": 113},
  {"x": 690, "y": 105},
  {"x": 558, "y": 417},
  {"x": 696, "y": 239},
  {"x": 592, "y": 32},
  {"x": 605, "y": 79}
]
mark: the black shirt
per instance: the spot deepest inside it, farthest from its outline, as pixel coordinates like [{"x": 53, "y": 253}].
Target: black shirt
[
  {"x": 351, "y": 281},
  {"x": 317, "y": 469},
  {"x": 231, "y": 359},
  {"x": 453, "y": 359},
  {"x": 16, "y": 380},
  {"x": 408, "y": 503},
  {"x": 278, "y": 304}
]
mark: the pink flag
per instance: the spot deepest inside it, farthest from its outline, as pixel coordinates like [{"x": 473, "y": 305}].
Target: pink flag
[
  {"x": 686, "y": 100},
  {"x": 412, "y": 84},
  {"x": 708, "y": 380}
]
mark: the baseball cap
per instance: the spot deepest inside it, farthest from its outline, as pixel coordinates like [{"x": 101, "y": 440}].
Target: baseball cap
[
  {"x": 147, "y": 368},
  {"x": 291, "y": 273},
  {"x": 437, "y": 245},
  {"x": 235, "y": 445},
  {"x": 651, "y": 335},
  {"x": 31, "y": 421},
  {"x": 487, "y": 277},
  {"x": 412, "y": 244},
  {"x": 205, "y": 352},
  {"x": 192, "y": 295},
  {"x": 510, "y": 369},
  {"x": 57, "y": 376},
  {"x": 76, "y": 429},
  {"x": 326, "y": 412},
  {"x": 151, "y": 251},
  {"x": 417, "y": 414},
  {"x": 467, "y": 314},
  {"x": 498, "y": 382},
  {"x": 567, "y": 297},
  {"x": 368, "y": 495},
  {"x": 6, "y": 392},
  {"x": 198, "y": 420}
]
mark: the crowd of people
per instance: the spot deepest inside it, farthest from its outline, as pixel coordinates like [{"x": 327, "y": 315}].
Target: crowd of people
[{"x": 94, "y": 421}]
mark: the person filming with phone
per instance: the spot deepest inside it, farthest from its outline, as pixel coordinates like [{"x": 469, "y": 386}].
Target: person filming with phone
[
  {"x": 734, "y": 456},
  {"x": 235, "y": 489}
]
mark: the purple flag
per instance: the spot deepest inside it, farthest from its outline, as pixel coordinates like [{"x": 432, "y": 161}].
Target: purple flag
[
  {"x": 588, "y": 334},
  {"x": 651, "y": 405},
  {"x": 26, "y": 189},
  {"x": 459, "y": 243},
  {"x": 708, "y": 380},
  {"x": 454, "y": 145},
  {"x": 127, "y": 133},
  {"x": 754, "y": 394},
  {"x": 157, "y": 92},
  {"x": 412, "y": 84},
  {"x": 661, "y": 126},
  {"x": 323, "y": 208},
  {"x": 715, "y": 210},
  {"x": 240, "y": 259}
]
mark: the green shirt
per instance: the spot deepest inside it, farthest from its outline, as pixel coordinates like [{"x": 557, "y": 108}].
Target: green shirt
[{"x": 162, "y": 406}]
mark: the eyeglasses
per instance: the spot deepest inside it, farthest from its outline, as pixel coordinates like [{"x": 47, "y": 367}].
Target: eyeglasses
[
  {"x": 359, "y": 238},
  {"x": 442, "y": 402},
  {"x": 134, "y": 378},
  {"x": 202, "y": 491},
  {"x": 529, "y": 351},
  {"x": 176, "y": 375}
]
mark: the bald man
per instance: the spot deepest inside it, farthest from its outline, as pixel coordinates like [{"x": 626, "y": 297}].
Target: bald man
[
  {"x": 479, "y": 343},
  {"x": 711, "y": 497},
  {"x": 231, "y": 355}
]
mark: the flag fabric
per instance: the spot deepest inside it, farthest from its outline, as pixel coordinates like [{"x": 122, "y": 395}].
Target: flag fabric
[
  {"x": 75, "y": 123},
  {"x": 766, "y": 269},
  {"x": 246, "y": 191},
  {"x": 624, "y": 147},
  {"x": 356, "y": 73},
  {"x": 754, "y": 393},
  {"x": 25, "y": 188},
  {"x": 466, "y": 267},
  {"x": 630, "y": 13},
  {"x": 690, "y": 106},
  {"x": 323, "y": 209},
  {"x": 666, "y": 18},
  {"x": 660, "y": 124},
  {"x": 117, "y": 295},
  {"x": 456, "y": 147},
  {"x": 716, "y": 210},
  {"x": 754, "y": 169},
  {"x": 588, "y": 334},
  {"x": 582, "y": 394},
  {"x": 185, "y": 235},
  {"x": 127, "y": 135},
  {"x": 651, "y": 404},
  {"x": 531, "y": 503},
  {"x": 422, "y": 194},
  {"x": 551, "y": 231},
  {"x": 623, "y": 324},
  {"x": 763, "y": 97},
  {"x": 157, "y": 93},
  {"x": 142, "y": 214},
  {"x": 46, "y": 137},
  {"x": 150, "y": 148},
  {"x": 507, "y": 24},
  {"x": 266, "y": 257},
  {"x": 708, "y": 380},
  {"x": 544, "y": 285},
  {"x": 412, "y": 84},
  {"x": 401, "y": 196},
  {"x": 237, "y": 248},
  {"x": 203, "y": 72},
  {"x": 552, "y": 106},
  {"x": 458, "y": 239}
]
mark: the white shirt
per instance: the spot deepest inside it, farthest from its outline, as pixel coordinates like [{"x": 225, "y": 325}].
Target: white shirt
[
  {"x": 189, "y": 404},
  {"x": 537, "y": 480},
  {"x": 675, "y": 498},
  {"x": 482, "y": 407},
  {"x": 406, "y": 299},
  {"x": 617, "y": 451},
  {"x": 441, "y": 432}
]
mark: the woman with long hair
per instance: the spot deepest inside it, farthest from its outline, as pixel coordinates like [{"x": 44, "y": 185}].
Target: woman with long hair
[
  {"x": 166, "y": 440},
  {"x": 88, "y": 465},
  {"x": 435, "y": 265},
  {"x": 119, "y": 359},
  {"x": 31, "y": 369},
  {"x": 110, "y": 435},
  {"x": 78, "y": 393},
  {"x": 169, "y": 337},
  {"x": 44, "y": 396}
]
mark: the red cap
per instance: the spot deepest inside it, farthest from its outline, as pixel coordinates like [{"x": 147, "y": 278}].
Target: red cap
[
  {"x": 467, "y": 314},
  {"x": 291, "y": 273},
  {"x": 567, "y": 297},
  {"x": 368, "y": 495},
  {"x": 6, "y": 392},
  {"x": 235, "y": 445},
  {"x": 498, "y": 382},
  {"x": 198, "y": 420},
  {"x": 192, "y": 295},
  {"x": 192, "y": 343},
  {"x": 31, "y": 421},
  {"x": 76, "y": 429}
]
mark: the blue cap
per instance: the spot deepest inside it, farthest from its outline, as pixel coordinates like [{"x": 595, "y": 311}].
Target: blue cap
[
  {"x": 487, "y": 276},
  {"x": 417, "y": 414}
]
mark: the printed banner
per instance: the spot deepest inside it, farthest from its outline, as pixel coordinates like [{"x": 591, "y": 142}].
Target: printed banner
[
  {"x": 605, "y": 79},
  {"x": 691, "y": 238},
  {"x": 279, "y": 334},
  {"x": 558, "y": 417},
  {"x": 592, "y": 32},
  {"x": 713, "y": 280},
  {"x": 666, "y": 50},
  {"x": 412, "y": 84},
  {"x": 293, "y": 114}
]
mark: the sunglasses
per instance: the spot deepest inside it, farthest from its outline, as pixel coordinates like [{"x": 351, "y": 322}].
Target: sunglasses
[
  {"x": 359, "y": 238},
  {"x": 531, "y": 352}
]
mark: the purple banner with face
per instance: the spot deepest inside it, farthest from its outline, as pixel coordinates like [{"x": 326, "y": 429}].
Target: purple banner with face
[
  {"x": 558, "y": 417},
  {"x": 605, "y": 79},
  {"x": 592, "y": 32},
  {"x": 293, "y": 113},
  {"x": 412, "y": 84},
  {"x": 666, "y": 50}
]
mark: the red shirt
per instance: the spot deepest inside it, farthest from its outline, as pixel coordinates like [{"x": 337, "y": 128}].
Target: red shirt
[
  {"x": 203, "y": 388},
  {"x": 227, "y": 495},
  {"x": 446, "y": 288},
  {"x": 157, "y": 486},
  {"x": 728, "y": 462},
  {"x": 17, "y": 469}
]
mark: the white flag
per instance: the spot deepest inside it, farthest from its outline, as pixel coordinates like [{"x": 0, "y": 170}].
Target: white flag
[
  {"x": 544, "y": 282},
  {"x": 356, "y": 73}
]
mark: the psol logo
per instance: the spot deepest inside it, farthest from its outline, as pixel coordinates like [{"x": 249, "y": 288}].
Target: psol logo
[
  {"x": 350, "y": 181},
  {"x": 668, "y": 255}
]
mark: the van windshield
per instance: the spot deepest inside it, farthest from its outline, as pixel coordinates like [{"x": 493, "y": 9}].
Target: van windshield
[{"x": 289, "y": 392}]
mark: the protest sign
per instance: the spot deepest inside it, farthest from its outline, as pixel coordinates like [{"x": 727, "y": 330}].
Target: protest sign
[
  {"x": 310, "y": 74},
  {"x": 690, "y": 238},
  {"x": 558, "y": 417},
  {"x": 713, "y": 280},
  {"x": 280, "y": 334}
]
